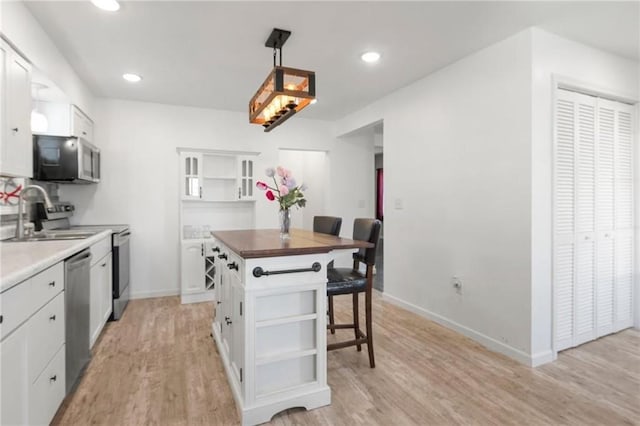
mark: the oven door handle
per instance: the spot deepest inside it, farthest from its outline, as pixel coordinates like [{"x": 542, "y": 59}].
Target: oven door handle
[{"x": 122, "y": 239}]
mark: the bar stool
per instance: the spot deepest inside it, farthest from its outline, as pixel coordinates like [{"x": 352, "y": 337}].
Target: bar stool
[
  {"x": 352, "y": 281},
  {"x": 328, "y": 225}
]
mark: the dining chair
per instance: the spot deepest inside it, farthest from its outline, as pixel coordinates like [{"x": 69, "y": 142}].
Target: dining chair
[
  {"x": 343, "y": 281},
  {"x": 328, "y": 225}
]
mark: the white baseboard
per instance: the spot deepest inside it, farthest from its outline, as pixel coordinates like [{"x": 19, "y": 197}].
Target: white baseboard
[
  {"x": 154, "y": 293},
  {"x": 483, "y": 339},
  {"x": 543, "y": 357}
]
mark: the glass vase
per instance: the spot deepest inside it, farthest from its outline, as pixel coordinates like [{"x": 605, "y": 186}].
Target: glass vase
[{"x": 285, "y": 223}]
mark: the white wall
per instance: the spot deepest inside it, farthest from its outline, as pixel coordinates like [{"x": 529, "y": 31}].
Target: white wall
[
  {"x": 22, "y": 30},
  {"x": 457, "y": 158},
  {"x": 555, "y": 57},
  {"x": 140, "y": 175}
]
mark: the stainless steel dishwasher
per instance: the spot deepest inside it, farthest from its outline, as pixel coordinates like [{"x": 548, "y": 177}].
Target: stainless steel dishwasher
[{"x": 76, "y": 300}]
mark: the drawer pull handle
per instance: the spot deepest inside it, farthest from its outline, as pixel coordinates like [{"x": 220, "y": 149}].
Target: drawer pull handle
[
  {"x": 52, "y": 284},
  {"x": 52, "y": 318},
  {"x": 53, "y": 378},
  {"x": 216, "y": 250},
  {"x": 218, "y": 302},
  {"x": 227, "y": 320},
  {"x": 15, "y": 129},
  {"x": 258, "y": 271},
  {"x": 104, "y": 264},
  {"x": 223, "y": 256},
  {"x": 2, "y": 317},
  {"x": 232, "y": 265}
]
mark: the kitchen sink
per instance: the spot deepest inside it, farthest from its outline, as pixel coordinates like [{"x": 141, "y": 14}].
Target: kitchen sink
[{"x": 55, "y": 235}]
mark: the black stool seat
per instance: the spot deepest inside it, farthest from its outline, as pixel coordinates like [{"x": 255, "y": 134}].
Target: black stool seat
[{"x": 345, "y": 281}]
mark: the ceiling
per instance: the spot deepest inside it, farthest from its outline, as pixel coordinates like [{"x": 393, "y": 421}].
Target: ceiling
[{"x": 212, "y": 54}]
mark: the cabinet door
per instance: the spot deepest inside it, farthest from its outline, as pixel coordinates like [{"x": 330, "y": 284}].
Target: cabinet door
[
  {"x": 106, "y": 301},
  {"x": 237, "y": 328},
  {"x": 191, "y": 176},
  {"x": 95, "y": 303},
  {"x": 218, "y": 319},
  {"x": 14, "y": 392},
  {"x": 17, "y": 144},
  {"x": 227, "y": 313},
  {"x": 246, "y": 180},
  {"x": 192, "y": 268}
]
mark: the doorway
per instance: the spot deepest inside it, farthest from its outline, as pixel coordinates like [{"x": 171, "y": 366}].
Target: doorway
[{"x": 309, "y": 168}]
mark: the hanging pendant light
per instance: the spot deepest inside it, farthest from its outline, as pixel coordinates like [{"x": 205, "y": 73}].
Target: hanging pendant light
[{"x": 284, "y": 92}]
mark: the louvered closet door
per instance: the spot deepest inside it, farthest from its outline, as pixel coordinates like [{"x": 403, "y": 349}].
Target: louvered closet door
[
  {"x": 593, "y": 218},
  {"x": 623, "y": 285}
]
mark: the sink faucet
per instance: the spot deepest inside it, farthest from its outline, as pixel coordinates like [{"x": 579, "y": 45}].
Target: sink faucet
[{"x": 47, "y": 202}]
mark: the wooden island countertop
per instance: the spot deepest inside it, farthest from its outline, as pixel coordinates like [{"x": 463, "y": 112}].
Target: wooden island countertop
[{"x": 256, "y": 243}]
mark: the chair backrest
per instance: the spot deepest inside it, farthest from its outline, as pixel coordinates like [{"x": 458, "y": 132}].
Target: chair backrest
[
  {"x": 327, "y": 225},
  {"x": 367, "y": 230}
]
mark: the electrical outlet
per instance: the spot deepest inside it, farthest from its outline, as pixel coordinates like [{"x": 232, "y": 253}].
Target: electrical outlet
[{"x": 456, "y": 282}]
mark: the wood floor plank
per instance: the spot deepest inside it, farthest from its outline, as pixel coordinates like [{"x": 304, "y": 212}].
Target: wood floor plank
[{"x": 159, "y": 366}]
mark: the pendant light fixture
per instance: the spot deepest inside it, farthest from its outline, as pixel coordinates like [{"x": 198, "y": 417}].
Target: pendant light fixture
[{"x": 285, "y": 90}]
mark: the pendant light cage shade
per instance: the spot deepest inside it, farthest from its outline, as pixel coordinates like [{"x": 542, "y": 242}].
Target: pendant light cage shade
[{"x": 284, "y": 92}]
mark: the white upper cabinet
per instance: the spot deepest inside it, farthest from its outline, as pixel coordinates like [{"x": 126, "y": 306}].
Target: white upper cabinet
[
  {"x": 66, "y": 120},
  {"x": 15, "y": 114},
  {"x": 191, "y": 175},
  {"x": 246, "y": 179}
]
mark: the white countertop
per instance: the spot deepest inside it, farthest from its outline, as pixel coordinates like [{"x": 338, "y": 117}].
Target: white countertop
[{"x": 19, "y": 261}]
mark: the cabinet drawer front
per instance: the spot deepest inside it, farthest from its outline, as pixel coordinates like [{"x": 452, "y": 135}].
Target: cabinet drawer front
[
  {"x": 45, "y": 335},
  {"x": 100, "y": 250},
  {"x": 234, "y": 258},
  {"x": 47, "y": 284},
  {"x": 15, "y": 307},
  {"x": 48, "y": 391}
]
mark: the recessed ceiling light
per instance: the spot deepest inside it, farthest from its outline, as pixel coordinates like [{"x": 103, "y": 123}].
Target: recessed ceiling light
[
  {"x": 108, "y": 5},
  {"x": 370, "y": 57},
  {"x": 313, "y": 101},
  {"x": 132, "y": 78}
]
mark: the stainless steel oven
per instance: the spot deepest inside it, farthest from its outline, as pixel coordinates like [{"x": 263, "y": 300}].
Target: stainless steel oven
[
  {"x": 121, "y": 258},
  {"x": 65, "y": 159}
]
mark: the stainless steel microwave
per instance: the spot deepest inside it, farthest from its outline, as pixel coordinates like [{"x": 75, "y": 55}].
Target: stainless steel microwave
[{"x": 65, "y": 160}]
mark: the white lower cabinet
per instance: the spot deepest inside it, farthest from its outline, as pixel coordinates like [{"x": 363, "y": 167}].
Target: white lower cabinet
[
  {"x": 199, "y": 270},
  {"x": 271, "y": 334},
  {"x": 100, "y": 305},
  {"x": 15, "y": 384},
  {"x": 32, "y": 349}
]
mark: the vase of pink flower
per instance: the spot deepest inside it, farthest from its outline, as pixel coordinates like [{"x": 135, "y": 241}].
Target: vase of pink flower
[{"x": 286, "y": 192}]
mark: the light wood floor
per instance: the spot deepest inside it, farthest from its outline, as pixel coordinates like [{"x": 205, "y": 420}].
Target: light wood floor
[{"x": 159, "y": 366}]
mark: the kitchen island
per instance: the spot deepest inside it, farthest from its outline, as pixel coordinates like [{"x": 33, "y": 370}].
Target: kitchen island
[{"x": 270, "y": 318}]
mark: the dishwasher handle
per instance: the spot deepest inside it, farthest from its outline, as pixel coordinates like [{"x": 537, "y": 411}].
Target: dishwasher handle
[{"x": 78, "y": 260}]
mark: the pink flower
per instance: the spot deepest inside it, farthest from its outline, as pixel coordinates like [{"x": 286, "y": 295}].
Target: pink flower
[
  {"x": 280, "y": 171},
  {"x": 270, "y": 195},
  {"x": 283, "y": 190},
  {"x": 261, "y": 185}
]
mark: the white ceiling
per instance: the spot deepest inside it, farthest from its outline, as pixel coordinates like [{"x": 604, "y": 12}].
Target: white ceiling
[{"x": 212, "y": 54}]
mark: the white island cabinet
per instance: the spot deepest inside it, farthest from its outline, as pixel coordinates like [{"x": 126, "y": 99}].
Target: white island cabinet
[{"x": 270, "y": 319}]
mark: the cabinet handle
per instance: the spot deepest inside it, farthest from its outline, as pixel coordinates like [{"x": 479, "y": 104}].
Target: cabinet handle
[
  {"x": 202, "y": 249},
  {"x": 239, "y": 193},
  {"x": 200, "y": 192},
  {"x": 232, "y": 265},
  {"x": 228, "y": 320},
  {"x": 52, "y": 318},
  {"x": 53, "y": 378},
  {"x": 15, "y": 130},
  {"x": 223, "y": 256},
  {"x": 218, "y": 302},
  {"x": 104, "y": 264},
  {"x": 84, "y": 133},
  {"x": 2, "y": 317},
  {"x": 52, "y": 284},
  {"x": 216, "y": 250}
]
